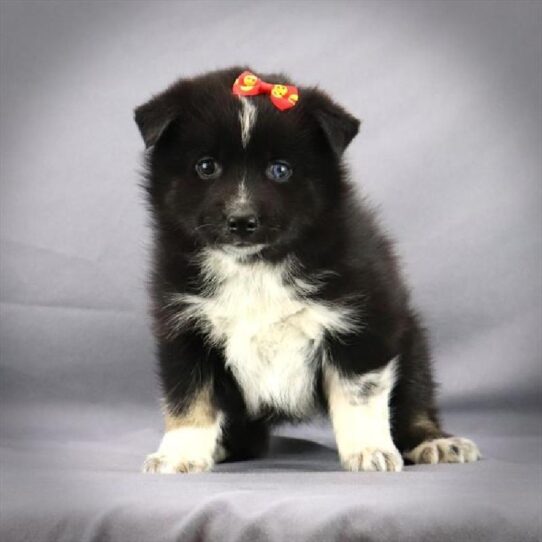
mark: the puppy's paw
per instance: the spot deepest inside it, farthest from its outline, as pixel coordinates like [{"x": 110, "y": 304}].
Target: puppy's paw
[
  {"x": 184, "y": 449},
  {"x": 445, "y": 450},
  {"x": 162, "y": 464},
  {"x": 374, "y": 459}
]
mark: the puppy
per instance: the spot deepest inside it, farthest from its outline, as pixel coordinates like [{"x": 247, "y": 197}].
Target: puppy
[{"x": 275, "y": 295}]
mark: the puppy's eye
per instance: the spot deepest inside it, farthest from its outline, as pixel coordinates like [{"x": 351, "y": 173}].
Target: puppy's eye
[
  {"x": 279, "y": 171},
  {"x": 208, "y": 168}
]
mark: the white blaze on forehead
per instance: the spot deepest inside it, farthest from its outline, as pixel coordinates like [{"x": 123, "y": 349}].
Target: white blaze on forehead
[{"x": 247, "y": 118}]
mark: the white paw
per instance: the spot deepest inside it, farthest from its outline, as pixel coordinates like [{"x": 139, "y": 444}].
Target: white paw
[
  {"x": 445, "y": 450},
  {"x": 374, "y": 459},
  {"x": 163, "y": 464},
  {"x": 185, "y": 449}
]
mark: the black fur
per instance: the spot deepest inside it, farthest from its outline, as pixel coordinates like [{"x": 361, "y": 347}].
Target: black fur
[{"x": 315, "y": 216}]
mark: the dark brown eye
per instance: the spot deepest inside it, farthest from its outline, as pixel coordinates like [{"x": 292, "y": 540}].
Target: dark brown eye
[{"x": 208, "y": 168}]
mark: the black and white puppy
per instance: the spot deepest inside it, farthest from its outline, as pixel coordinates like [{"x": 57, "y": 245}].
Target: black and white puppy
[{"x": 275, "y": 293}]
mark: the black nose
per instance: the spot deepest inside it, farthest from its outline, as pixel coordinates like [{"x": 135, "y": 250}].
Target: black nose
[{"x": 242, "y": 225}]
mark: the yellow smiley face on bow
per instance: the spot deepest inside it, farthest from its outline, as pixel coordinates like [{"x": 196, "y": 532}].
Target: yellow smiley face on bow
[
  {"x": 248, "y": 82},
  {"x": 278, "y": 91},
  {"x": 293, "y": 98}
]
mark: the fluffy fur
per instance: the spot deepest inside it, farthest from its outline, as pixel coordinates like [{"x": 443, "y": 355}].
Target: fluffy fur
[{"x": 277, "y": 300}]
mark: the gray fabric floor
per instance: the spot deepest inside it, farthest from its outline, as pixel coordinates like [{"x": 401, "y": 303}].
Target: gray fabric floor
[
  {"x": 66, "y": 484},
  {"x": 450, "y": 94}
]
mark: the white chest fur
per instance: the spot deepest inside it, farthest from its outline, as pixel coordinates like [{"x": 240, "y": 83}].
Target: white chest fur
[{"x": 270, "y": 333}]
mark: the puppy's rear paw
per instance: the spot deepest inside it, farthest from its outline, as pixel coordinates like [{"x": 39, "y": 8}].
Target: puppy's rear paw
[
  {"x": 445, "y": 450},
  {"x": 162, "y": 464},
  {"x": 374, "y": 459}
]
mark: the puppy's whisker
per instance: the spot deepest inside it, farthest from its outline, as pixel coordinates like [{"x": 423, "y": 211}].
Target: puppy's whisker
[{"x": 203, "y": 226}]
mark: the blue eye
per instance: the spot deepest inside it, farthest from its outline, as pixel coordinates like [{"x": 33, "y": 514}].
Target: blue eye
[
  {"x": 208, "y": 168},
  {"x": 279, "y": 171}
]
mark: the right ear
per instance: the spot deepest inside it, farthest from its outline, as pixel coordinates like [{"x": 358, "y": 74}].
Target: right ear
[
  {"x": 337, "y": 124},
  {"x": 153, "y": 117}
]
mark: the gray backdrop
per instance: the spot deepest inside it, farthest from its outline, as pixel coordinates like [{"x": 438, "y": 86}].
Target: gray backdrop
[{"x": 450, "y": 94}]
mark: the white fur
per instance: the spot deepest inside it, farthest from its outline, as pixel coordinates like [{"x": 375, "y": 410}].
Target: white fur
[
  {"x": 242, "y": 193},
  {"x": 240, "y": 203},
  {"x": 359, "y": 410},
  {"x": 445, "y": 450},
  {"x": 270, "y": 333},
  {"x": 243, "y": 252},
  {"x": 186, "y": 449},
  {"x": 247, "y": 118}
]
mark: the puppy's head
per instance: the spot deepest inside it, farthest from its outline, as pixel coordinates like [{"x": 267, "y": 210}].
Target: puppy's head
[{"x": 237, "y": 173}]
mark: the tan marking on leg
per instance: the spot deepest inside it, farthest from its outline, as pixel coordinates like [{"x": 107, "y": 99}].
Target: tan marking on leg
[
  {"x": 201, "y": 413},
  {"x": 422, "y": 422},
  {"x": 191, "y": 439}
]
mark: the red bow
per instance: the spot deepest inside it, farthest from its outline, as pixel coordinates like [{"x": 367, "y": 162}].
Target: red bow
[{"x": 282, "y": 96}]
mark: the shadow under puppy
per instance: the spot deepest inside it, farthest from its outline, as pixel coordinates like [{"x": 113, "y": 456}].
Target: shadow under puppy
[{"x": 275, "y": 295}]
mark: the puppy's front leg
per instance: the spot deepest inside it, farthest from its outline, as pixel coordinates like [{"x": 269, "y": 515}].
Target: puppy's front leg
[
  {"x": 359, "y": 410},
  {"x": 190, "y": 442}
]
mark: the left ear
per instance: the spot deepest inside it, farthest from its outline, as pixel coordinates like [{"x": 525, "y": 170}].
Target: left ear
[
  {"x": 153, "y": 117},
  {"x": 339, "y": 126}
]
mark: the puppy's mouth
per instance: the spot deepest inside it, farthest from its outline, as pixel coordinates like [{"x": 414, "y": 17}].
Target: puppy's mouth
[
  {"x": 242, "y": 248},
  {"x": 241, "y": 238},
  {"x": 245, "y": 244}
]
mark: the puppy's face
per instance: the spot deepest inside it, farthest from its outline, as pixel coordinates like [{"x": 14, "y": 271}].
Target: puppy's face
[{"x": 237, "y": 173}]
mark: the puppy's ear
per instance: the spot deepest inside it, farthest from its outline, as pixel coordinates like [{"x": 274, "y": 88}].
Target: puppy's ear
[
  {"x": 153, "y": 117},
  {"x": 339, "y": 126}
]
